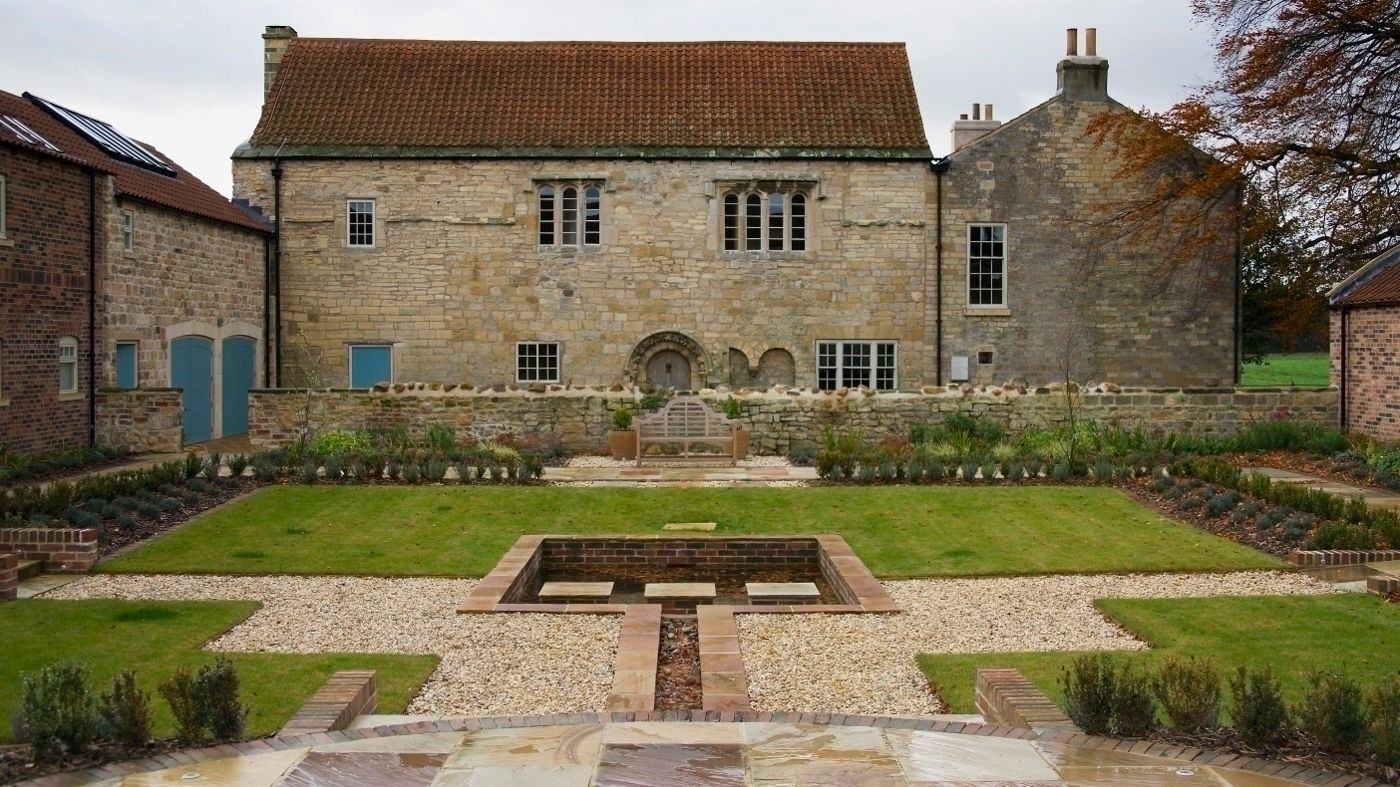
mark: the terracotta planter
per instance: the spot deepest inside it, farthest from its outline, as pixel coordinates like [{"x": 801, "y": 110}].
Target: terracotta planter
[
  {"x": 623, "y": 445},
  {"x": 741, "y": 443}
]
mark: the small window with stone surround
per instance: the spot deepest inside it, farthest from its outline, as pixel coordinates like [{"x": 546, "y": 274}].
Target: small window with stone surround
[
  {"x": 128, "y": 230},
  {"x": 359, "y": 223},
  {"x": 537, "y": 362},
  {"x": 761, "y": 217},
  {"x": 68, "y": 364},
  {"x": 986, "y": 266},
  {"x": 569, "y": 214},
  {"x": 872, "y": 364}
]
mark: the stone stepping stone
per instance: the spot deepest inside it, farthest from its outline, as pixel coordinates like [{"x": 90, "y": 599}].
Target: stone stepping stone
[
  {"x": 582, "y": 591},
  {"x": 781, "y": 592},
  {"x": 665, "y": 590},
  {"x": 701, "y": 526}
]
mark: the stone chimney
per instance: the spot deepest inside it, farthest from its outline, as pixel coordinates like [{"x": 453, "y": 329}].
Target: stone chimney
[
  {"x": 1082, "y": 77},
  {"x": 275, "y": 40},
  {"x": 967, "y": 130}
]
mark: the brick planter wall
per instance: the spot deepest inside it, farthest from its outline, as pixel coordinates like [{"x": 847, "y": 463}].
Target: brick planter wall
[
  {"x": 146, "y": 420},
  {"x": 1006, "y": 697},
  {"x": 9, "y": 576},
  {"x": 778, "y": 417},
  {"x": 62, "y": 550}
]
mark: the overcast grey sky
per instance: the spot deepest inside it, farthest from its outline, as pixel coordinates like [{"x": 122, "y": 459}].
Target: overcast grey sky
[{"x": 186, "y": 76}]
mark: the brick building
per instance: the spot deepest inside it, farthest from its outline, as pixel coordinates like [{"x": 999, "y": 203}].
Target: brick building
[
  {"x": 178, "y": 299},
  {"x": 690, "y": 214},
  {"x": 1365, "y": 331}
]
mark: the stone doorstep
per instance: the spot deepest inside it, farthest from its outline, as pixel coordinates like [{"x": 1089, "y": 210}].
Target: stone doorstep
[
  {"x": 665, "y": 590},
  {"x": 697, "y": 526}
]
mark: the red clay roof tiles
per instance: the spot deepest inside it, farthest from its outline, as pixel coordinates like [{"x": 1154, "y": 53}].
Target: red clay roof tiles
[
  {"x": 826, "y": 97},
  {"x": 1381, "y": 286},
  {"x": 183, "y": 192}
]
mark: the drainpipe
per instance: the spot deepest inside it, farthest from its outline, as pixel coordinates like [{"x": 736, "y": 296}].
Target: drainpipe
[
  {"x": 1342, "y": 375},
  {"x": 267, "y": 311},
  {"x": 1239, "y": 257},
  {"x": 277, "y": 257},
  {"x": 939, "y": 166},
  {"x": 92, "y": 307}
]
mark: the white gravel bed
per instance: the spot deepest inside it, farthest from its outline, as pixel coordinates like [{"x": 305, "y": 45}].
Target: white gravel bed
[
  {"x": 865, "y": 663},
  {"x": 492, "y": 664}
]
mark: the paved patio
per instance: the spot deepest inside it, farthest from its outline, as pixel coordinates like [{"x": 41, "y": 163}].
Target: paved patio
[
  {"x": 702, "y": 754},
  {"x": 1375, "y": 498}
]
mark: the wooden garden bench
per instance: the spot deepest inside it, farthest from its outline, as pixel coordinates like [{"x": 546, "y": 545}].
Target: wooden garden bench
[{"x": 685, "y": 421}]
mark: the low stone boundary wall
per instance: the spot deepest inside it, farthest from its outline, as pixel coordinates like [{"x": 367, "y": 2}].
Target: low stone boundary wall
[
  {"x": 146, "y": 420},
  {"x": 9, "y": 576},
  {"x": 1005, "y": 696},
  {"x": 777, "y": 418},
  {"x": 62, "y": 550},
  {"x": 345, "y": 695},
  {"x": 1317, "y": 558}
]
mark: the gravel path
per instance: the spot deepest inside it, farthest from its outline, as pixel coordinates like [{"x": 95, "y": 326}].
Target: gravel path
[
  {"x": 865, "y": 663},
  {"x": 491, "y": 664}
]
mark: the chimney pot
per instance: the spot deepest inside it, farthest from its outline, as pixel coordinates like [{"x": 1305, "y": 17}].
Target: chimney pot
[
  {"x": 1091, "y": 42},
  {"x": 1071, "y": 41},
  {"x": 963, "y": 116},
  {"x": 976, "y": 111},
  {"x": 989, "y": 111}
]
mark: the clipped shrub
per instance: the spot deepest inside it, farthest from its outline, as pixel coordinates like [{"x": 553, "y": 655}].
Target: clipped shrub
[
  {"x": 57, "y": 712},
  {"x": 395, "y": 470},
  {"x": 169, "y": 505},
  {"x": 1257, "y": 710},
  {"x": 622, "y": 418},
  {"x": 968, "y": 472},
  {"x": 434, "y": 470},
  {"x": 1384, "y": 709},
  {"x": 1273, "y": 517},
  {"x": 1331, "y": 711},
  {"x": 124, "y": 711},
  {"x": 265, "y": 469},
  {"x": 866, "y": 473},
  {"x": 110, "y": 511},
  {"x": 1061, "y": 473},
  {"x": 1134, "y": 708},
  {"x": 148, "y": 509},
  {"x": 989, "y": 471},
  {"x": 1298, "y": 525},
  {"x": 802, "y": 453},
  {"x": 77, "y": 517},
  {"x": 216, "y": 694},
  {"x": 411, "y": 472},
  {"x": 309, "y": 471},
  {"x": 935, "y": 471},
  {"x": 237, "y": 465},
  {"x": 192, "y": 465},
  {"x": 1189, "y": 693},
  {"x": 181, "y": 694},
  {"x": 1161, "y": 483},
  {"x": 913, "y": 470},
  {"x": 1221, "y": 502},
  {"x": 1246, "y": 511},
  {"x": 1015, "y": 471},
  {"x": 1338, "y": 535},
  {"x": 212, "y": 463},
  {"x": 335, "y": 468},
  {"x": 1103, "y": 469},
  {"x": 1088, "y": 686}
]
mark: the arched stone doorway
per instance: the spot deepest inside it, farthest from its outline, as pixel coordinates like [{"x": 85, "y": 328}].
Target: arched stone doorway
[{"x": 668, "y": 359}]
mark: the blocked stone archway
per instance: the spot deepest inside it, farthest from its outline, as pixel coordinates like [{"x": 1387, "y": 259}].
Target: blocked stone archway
[{"x": 668, "y": 341}]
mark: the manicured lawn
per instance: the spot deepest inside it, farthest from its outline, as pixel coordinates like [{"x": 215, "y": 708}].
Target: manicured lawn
[
  {"x": 898, "y": 531},
  {"x": 155, "y": 638},
  {"x": 1355, "y": 633},
  {"x": 1306, "y": 369}
]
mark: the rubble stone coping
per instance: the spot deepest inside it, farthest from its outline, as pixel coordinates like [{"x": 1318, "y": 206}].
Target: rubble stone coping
[
  {"x": 601, "y": 590},
  {"x": 679, "y": 590}
]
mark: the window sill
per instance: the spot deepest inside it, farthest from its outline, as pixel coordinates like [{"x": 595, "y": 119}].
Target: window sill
[
  {"x": 71, "y": 396},
  {"x": 797, "y": 256},
  {"x": 4, "y": 402},
  {"x": 986, "y": 311},
  {"x": 7, "y": 242}
]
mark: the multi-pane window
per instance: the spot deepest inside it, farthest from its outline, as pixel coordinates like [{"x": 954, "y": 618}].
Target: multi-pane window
[
  {"x": 128, "y": 230},
  {"x": 570, "y": 214},
  {"x": 765, "y": 220},
  {"x": 537, "y": 362},
  {"x": 986, "y": 265},
  {"x": 852, "y": 364},
  {"x": 67, "y": 364},
  {"x": 359, "y": 222}
]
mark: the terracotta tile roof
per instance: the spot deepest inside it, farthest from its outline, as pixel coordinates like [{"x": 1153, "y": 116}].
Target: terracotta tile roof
[
  {"x": 1378, "y": 282},
  {"x": 183, "y": 192},
  {"x": 826, "y": 98}
]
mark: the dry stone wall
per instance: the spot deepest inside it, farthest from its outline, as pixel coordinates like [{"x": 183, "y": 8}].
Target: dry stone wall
[
  {"x": 145, "y": 420},
  {"x": 778, "y": 417}
]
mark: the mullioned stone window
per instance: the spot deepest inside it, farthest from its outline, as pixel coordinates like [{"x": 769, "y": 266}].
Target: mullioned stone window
[
  {"x": 769, "y": 217},
  {"x": 570, "y": 215}
]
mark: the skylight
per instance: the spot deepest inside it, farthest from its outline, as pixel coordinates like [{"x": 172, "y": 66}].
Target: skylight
[
  {"x": 115, "y": 143},
  {"x": 26, "y": 134}
]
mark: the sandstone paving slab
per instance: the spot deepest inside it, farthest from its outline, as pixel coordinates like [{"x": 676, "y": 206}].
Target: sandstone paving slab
[
  {"x": 332, "y": 769},
  {"x": 516, "y": 776},
  {"x": 679, "y": 590},
  {"x": 782, "y": 589},
  {"x": 1235, "y": 778},
  {"x": 679, "y": 765},
  {"x": 576, "y": 590},
  {"x": 703, "y": 527},
  {"x": 549, "y": 746},
  {"x": 425, "y": 743},
  {"x": 258, "y": 770},
  {"x": 1185, "y": 775},
  {"x": 936, "y": 756}
]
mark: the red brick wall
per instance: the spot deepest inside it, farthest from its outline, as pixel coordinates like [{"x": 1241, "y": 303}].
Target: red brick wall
[
  {"x": 62, "y": 550},
  {"x": 1373, "y": 369},
  {"x": 43, "y": 296}
]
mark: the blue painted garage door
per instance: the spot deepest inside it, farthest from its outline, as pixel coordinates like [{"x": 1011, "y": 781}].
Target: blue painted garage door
[
  {"x": 237, "y": 379},
  {"x": 192, "y": 371}
]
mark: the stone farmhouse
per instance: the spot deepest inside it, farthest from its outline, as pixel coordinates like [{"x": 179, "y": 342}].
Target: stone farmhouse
[
  {"x": 122, "y": 279},
  {"x": 1365, "y": 331},
  {"x": 689, "y": 215}
]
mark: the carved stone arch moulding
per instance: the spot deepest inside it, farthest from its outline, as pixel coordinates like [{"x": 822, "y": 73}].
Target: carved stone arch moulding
[{"x": 668, "y": 340}]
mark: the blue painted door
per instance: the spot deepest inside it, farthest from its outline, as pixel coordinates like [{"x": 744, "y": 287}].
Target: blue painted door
[
  {"x": 126, "y": 365},
  {"x": 192, "y": 371},
  {"x": 237, "y": 378},
  {"x": 370, "y": 364}
]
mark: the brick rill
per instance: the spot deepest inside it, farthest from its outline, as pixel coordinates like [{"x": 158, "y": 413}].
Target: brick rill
[
  {"x": 345, "y": 695},
  {"x": 777, "y": 418},
  {"x": 62, "y": 550},
  {"x": 9, "y": 576},
  {"x": 638, "y": 653},
  {"x": 146, "y": 420},
  {"x": 44, "y": 296},
  {"x": 1340, "y": 557},
  {"x": 1005, "y": 696},
  {"x": 1373, "y": 369}
]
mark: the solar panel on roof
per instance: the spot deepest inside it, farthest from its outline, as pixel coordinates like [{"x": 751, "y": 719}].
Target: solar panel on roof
[
  {"x": 101, "y": 134},
  {"x": 26, "y": 134}
]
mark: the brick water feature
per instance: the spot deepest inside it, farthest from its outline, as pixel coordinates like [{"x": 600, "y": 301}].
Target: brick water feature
[{"x": 706, "y": 579}]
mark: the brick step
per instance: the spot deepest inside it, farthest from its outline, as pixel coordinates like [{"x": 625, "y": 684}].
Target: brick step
[{"x": 28, "y": 569}]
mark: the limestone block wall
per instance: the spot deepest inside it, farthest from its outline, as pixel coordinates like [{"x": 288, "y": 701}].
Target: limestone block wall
[
  {"x": 1117, "y": 306},
  {"x": 456, "y": 278},
  {"x": 145, "y": 420},
  {"x": 183, "y": 275},
  {"x": 778, "y": 417},
  {"x": 1372, "y": 369}
]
